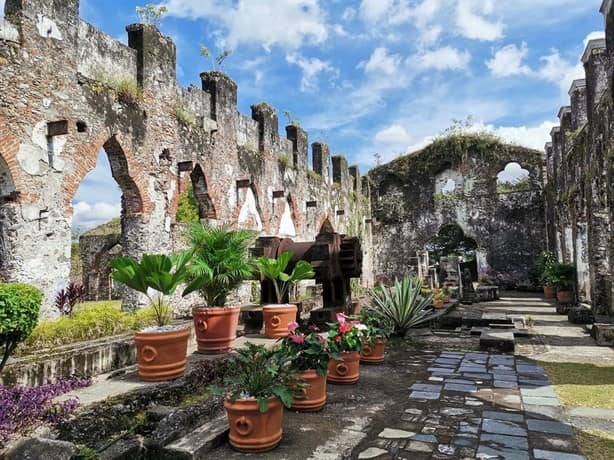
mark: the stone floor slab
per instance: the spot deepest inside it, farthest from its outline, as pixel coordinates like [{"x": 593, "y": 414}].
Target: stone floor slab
[
  {"x": 503, "y": 427},
  {"x": 552, "y": 455},
  {"x": 548, "y": 426}
]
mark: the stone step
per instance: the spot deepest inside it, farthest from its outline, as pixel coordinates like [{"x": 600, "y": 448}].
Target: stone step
[
  {"x": 499, "y": 340},
  {"x": 200, "y": 442}
]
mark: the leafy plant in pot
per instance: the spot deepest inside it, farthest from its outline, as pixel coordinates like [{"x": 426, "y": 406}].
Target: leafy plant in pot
[
  {"x": 305, "y": 352},
  {"x": 376, "y": 335},
  {"x": 278, "y": 316},
  {"x": 219, "y": 264},
  {"x": 345, "y": 340},
  {"x": 161, "y": 349},
  {"x": 254, "y": 394},
  {"x": 439, "y": 299},
  {"x": 545, "y": 265},
  {"x": 564, "y": 278}
]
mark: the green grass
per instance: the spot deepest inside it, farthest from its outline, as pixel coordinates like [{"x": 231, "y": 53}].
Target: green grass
[
  {"x": 88, "y": 321},
  {"x": 596, "y": 445},
  {"x": 582, "y": 385}
]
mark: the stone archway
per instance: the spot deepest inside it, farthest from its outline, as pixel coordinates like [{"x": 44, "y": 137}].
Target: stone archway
[{"x": 452, "y": 241}]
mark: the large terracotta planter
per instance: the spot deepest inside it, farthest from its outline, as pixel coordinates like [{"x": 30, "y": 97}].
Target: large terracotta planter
[
  {"x": 373, "y": 354},
  {"x": 277, "y": 318},
  {"x": 438, "y": 304},
  {"x": 162, "y": 355},
  {"x": 549, "y": 292},
  {"x": 313, "y": 395},
  {"x": 565, "y": 296},
  {"x": 216, "y": 328},
  {"x": 252, "y": 430},
  {"x": 344, "y": 372}
]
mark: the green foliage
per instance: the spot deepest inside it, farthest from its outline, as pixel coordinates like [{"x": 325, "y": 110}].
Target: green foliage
[
  {"x": 378, "y": 325},
  {"x": 451, "y": 240},
  {"x": 219, "y": 59},
  {"x": 402, "y": 304},
  {"x": 159, "y": 272},
  {"x": 184, "y": 115},
  {"x": 291, "y": 120},
  {"x": 304, "y": 349},
  {"x": 345, "y": 335},
  {"x": 88, "y": 321},
  {"x": 187, "y": 208},
  {"x": 220, "y": 262},
  {"x": 126, "y": 90},
  {"x": 521, "y": 184},
  {"x": 283, "y": 160},
  {"x": 275, "y": 271},
  {"x": 151, "y": 14},
  {"x": 544, "y": 265},
  {"x": 563, "y": 276},
  {"x": 19, "y": 308},
  {"x": 259, "y": 373}
]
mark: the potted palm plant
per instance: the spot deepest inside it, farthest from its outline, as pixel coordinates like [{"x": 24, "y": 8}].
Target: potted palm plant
[
  {"x": 278, "y": 316},
  {"x": 345, "y": 340},
  {"x": 255, "y": 394},
  {"x": 220, "y": 262},
  {"x": 563, "y": 277},
  {"x": 305, "y": 352},
  {"x": 161, "y": 349},
  {"x": 376, "y": 336}
]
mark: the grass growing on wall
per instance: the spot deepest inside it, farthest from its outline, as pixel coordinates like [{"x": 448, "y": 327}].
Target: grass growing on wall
[{"x": 187, "y": 209}]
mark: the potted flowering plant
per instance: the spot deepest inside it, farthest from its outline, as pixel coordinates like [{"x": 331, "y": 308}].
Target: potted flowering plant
[
  {"x": 162, "y": 349},
  {"x": 255, "y": 394},
  {"x": 439, "y": 299},
  {"x": 278, "y": 316},
  {"x": 219, "y": 264},
  {"x": 345, "y": 340},
  {"x": 377, "y": 333},
  {"x": 305, "y": 352}
]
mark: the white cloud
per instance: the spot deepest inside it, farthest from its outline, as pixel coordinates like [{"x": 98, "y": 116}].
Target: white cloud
[
  {"x": 444, "y": 58},
  {"x": 86, "y": 215},
  {"x": 285, "y": 23},
  {"x": 472, "y": 23},
  {"x": 312, "y": 68},
  {"x": 394, "y": 135},
  {"x": 348, "y": 14},
  {"x": 534, "y": 137},
  {"x": 1, "y": 8},
  {"x": 392, "y": 12},
  {"x": 508, "y": 61}
]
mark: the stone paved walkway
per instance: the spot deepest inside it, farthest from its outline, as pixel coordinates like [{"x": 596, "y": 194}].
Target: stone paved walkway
[{"x": 476, "y": 405}]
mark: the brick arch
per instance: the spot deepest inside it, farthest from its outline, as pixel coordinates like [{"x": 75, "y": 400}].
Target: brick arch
[
  {"x": 9, "y": 165},
  {"x": 206, "y": 207},
  {"x": 325, "y": 225},
  {"x": 131, "y": 181}
]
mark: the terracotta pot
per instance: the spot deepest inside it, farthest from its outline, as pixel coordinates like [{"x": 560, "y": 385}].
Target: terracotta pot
[
  {"x": 345, "y": 372},
  {"x": 216, "y": 328},
  {"x": 252, "y": 430},
  {"x": 447, "y": 299},
  {"x": 161, "y": 355},
  {"x": 549, "y": 292},
  {"x": 314, "y": 393},
  {"x": 373, "y": 354},
  {"x": 565, "y": 296},
  {"x": 277, "y": 318},
  {"x": 438, "y": 304}
]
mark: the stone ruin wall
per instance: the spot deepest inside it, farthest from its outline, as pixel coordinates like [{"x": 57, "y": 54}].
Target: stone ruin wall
[
  {"x": 59, "y": 108},
  {"x": 580, "y": 175},
  {"x": 409, "y": 209}
]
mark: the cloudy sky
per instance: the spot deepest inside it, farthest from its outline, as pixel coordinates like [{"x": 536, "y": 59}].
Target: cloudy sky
[{"x": 379, "y": 76}]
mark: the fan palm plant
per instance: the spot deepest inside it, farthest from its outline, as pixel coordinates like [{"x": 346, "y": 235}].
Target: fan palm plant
[
  {"x": 403, "y": 305},
  {"x": 275, "y": 271},
  {"x": 220, "y": 262}
]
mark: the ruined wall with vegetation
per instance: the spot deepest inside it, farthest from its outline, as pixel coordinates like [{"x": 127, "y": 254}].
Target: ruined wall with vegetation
[
  {"x": 410, "y": 205},
  {"x": 67, "y": 90},
  {"x": 580, "y": 179}
]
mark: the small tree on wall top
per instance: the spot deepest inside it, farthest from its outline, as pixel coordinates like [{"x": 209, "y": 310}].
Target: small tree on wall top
[
  {"x": 218, "y": 61},
  {"x": 151, "y": 14}
]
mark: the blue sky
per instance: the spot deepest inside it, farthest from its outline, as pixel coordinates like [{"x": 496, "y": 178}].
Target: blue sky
[{"x": 381, "y": 76}]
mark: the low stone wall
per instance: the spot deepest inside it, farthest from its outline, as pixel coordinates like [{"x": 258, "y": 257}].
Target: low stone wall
[{"x": 89, "y": 358}]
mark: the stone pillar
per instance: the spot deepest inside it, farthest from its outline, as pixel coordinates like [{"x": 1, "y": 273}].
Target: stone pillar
[
  {"x": 300, "y": 145},
  {"x": 223, "y": 93},
  {"x": 577, "y": 96},
  {"x": 608, "y": 16},
  {"x": 340, "y": 171},
  {"x": 268, "y": 126},
  {"x": 595, "y": 62},
  {"x": 566, "y": 129},
  {"x": 321, "y": 160},
  {"x": 354, "y": 173},
  {"x": 156, "y": 58}
]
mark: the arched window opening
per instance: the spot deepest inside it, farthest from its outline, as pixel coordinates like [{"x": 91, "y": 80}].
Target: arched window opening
[
  {"x": 7, "y": 186},
  {"x": 451, "y": 242},
  {"x": 513, "y": 178}
]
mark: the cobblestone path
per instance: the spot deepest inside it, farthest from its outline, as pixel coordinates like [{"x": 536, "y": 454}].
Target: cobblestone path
[{"x": 476, "y": 405}]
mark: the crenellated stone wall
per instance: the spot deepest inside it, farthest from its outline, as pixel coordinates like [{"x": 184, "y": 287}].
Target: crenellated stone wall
[
  {"x": 580, "y": 175},
  {"x": 67, "y": 90}
]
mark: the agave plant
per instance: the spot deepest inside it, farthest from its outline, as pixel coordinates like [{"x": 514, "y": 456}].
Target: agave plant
[
  {"x": 275, "y": 271},
  {"x": 220, "y": 262},
  {"x": 157, "y": 272},
  {"x": 403, "y": 305}
]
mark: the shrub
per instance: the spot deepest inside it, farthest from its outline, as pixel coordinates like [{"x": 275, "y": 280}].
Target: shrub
[
  {"x": 563, "y": 276},
  {"x": 402, "y": 304},
  {"x": 187, "y": 208},
  {"x": 184, "y": 115},
  {"x": 24, "y": 408},
  {"x": 283, "y": 160},
  {"x": 66, "y": 298},
  {"x": 19, "y": 308}
]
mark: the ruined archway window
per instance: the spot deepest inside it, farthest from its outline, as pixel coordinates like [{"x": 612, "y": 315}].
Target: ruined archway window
[
  {"x": 513, "y": 178},
  {"x": 449, "y": 187},
  {"x": 7, "y": 185},
  {"x": 451, "y": 241}
]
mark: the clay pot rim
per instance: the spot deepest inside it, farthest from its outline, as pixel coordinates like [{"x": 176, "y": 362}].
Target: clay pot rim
[
  {"x": 251, "y": 401},
  {"x": 225, "y": 307},
  {"x": 177, "y": 331},
  {"x": 271, "y": 306}
]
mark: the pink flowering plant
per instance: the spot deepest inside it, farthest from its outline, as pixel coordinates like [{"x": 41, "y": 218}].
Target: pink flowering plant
[
  {"x": 346, "y": 334},
  {"x": 305, "y": 349}
]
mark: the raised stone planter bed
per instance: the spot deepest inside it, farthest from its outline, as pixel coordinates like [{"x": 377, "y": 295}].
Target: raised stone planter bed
[{"x": 89, "y": 358}]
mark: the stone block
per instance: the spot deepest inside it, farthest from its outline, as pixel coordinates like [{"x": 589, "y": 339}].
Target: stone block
[
  {"x": 580, "y": 315},
  {"x": 40, "y": 448},
  {"x": 499, "y": 340},
  {"x": 603, "y": 334},
  {"x": 198, "y": 443}
]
